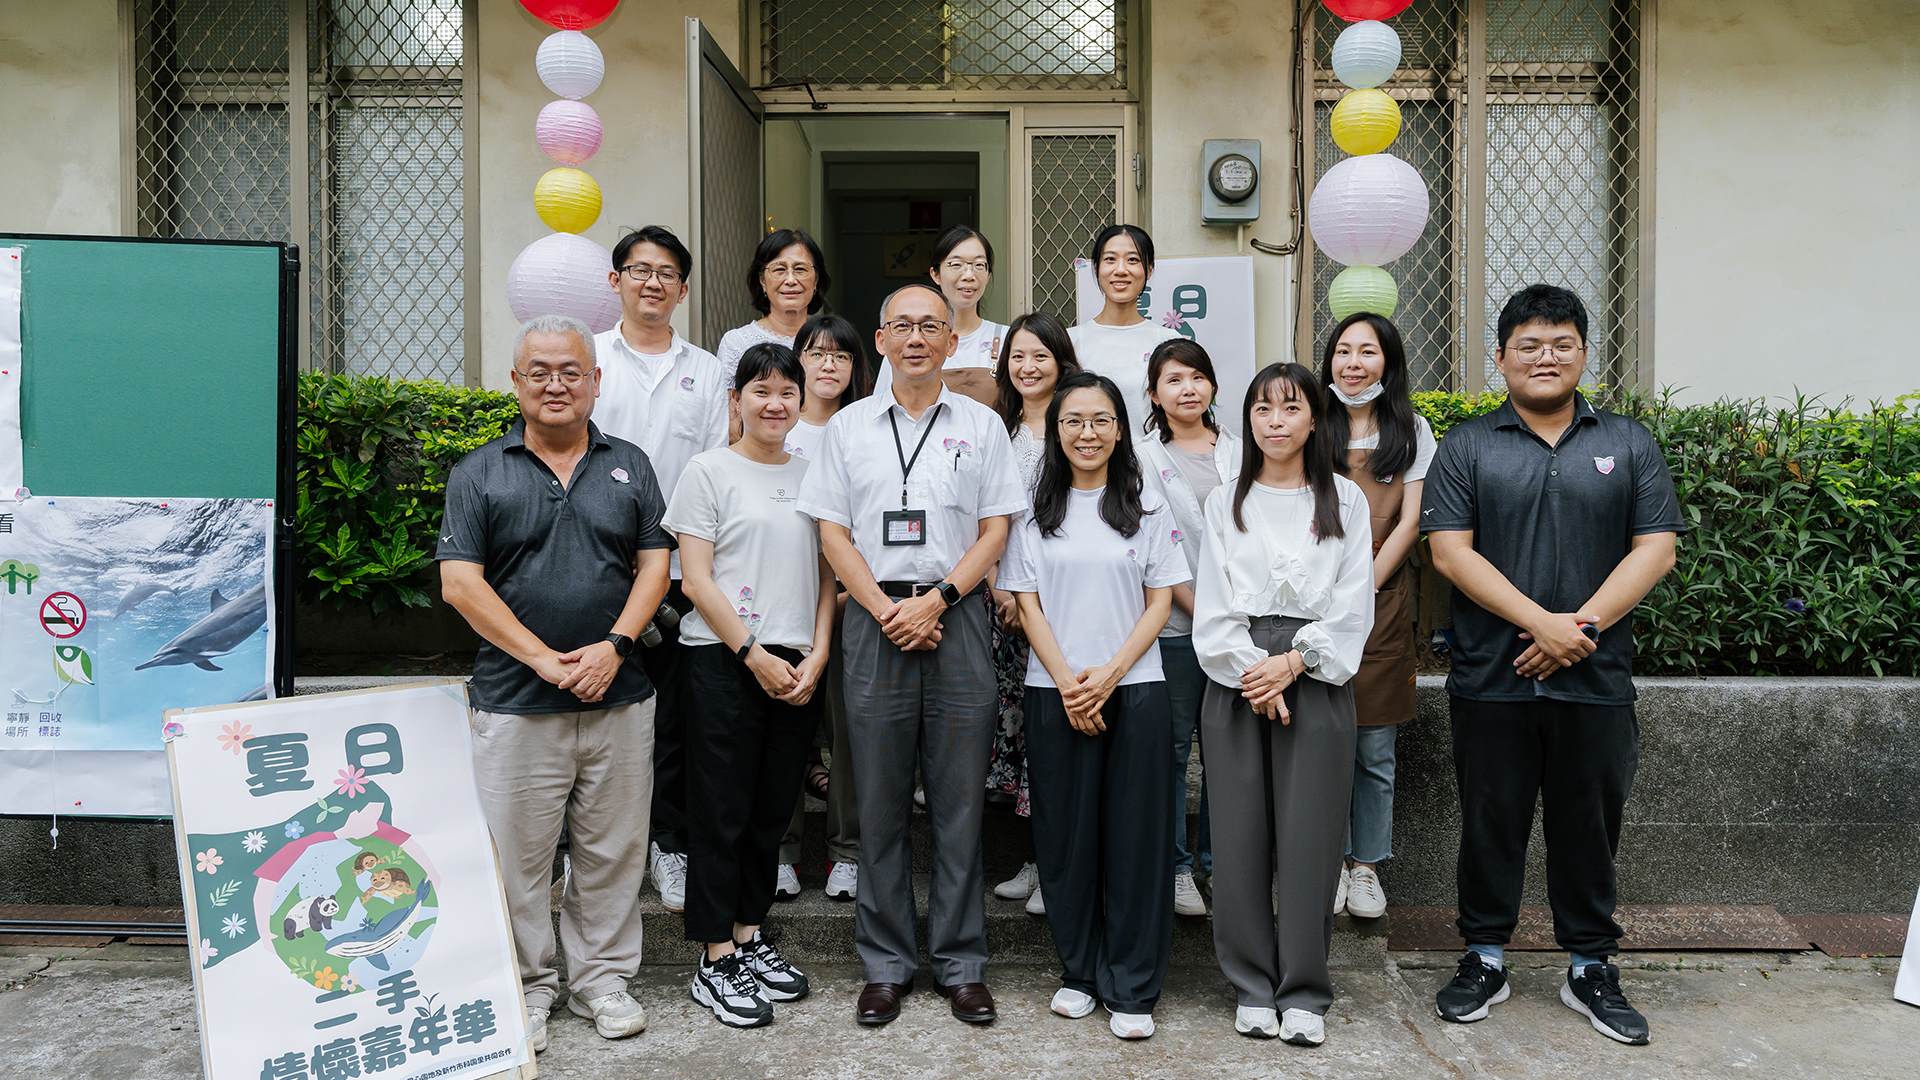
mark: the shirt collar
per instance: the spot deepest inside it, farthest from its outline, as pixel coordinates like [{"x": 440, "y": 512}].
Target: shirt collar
[
  {"x": 889, "y": 402},
  {"x": 673, "y": 350},
  {"x": 516, "y": 436},
  {"x": 1506, "y": 416}
]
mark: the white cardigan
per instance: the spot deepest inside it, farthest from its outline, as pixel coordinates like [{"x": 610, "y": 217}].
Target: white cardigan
[{"x": 1166, "y": 477}]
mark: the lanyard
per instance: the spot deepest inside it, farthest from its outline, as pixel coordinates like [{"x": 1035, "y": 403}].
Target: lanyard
[{"x": 907, "y": 463}]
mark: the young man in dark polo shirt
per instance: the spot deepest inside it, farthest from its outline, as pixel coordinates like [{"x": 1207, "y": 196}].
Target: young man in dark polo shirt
[
  {"x": 1552, "y": 519},
  {"x": 551, "y": 548}
]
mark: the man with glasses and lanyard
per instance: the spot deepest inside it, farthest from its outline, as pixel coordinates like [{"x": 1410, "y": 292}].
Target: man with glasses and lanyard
[
  {"x": 913, "y": 490},
  {"x": 667, "y": 396}
]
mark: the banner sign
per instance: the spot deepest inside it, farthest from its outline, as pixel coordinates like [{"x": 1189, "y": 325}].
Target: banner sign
[
  {"x": 1208, "y": 299},
  {"x": 343, "y": 904}
]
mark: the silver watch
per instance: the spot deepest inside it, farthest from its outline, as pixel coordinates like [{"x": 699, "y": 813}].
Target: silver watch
[{"x": 1309, "y": 656}]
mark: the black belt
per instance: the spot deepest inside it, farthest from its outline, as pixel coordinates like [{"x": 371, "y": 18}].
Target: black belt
[{"x": 903, "y": 590}]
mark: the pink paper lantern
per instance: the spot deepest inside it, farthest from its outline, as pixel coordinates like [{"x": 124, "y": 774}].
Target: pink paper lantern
[
  {"x": 1368, "y": 211},
  {"x": 568, "y": 131},
  {"x": 563, "y": 274}
]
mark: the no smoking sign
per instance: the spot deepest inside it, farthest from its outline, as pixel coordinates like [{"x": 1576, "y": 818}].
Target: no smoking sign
[{"x": 63, "y": 615}]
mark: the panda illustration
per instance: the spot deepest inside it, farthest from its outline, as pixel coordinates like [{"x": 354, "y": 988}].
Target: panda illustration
[{"x": 317, "y": 915}]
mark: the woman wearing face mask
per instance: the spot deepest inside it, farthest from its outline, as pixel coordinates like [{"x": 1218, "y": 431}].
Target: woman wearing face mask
[
  {"x": 1093, "y": 568},
  {"x": 788, "y": 282},
  {"x": 962, "y": 269},
  {"x": 1185, "y": 455},
  {"x": 1037, "y": 355},
  {"x": 1282, "y": 606},
  {"x": 1388, "y": 448},
  {"x": 1119, "y": 340},
  {"x": 757, "y": 645}
]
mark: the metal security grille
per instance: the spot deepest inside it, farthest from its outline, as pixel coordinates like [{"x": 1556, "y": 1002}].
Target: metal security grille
[
  {"x": 1028, "y": 45},
  {"x": 1525, "y": 118},
  {"x": 729, "y": 149},
  {"x": 1072, "y": 183},
  {"x": 367, "y": 176}
]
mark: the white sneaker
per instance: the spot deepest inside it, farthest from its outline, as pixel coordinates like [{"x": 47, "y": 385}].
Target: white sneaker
[
  {"x": 1302, "y": 1028},
  {"x": 1340, "y": 893},
  {"x": 1256, "y": 1022},
  {"x": 1130, "y": 1025},
  {"x": 670, "y": 878},
  {"x": 786, "y": 883},
  {"x": 730, "y": 990},
  {"x": 920, "y": 797},
  {"x": 1365, "y": 898},
  {"x": 1071, "y": 1003},
  {"x": 615, "y": 1015},
  {"x": 1186, "y": 895},
  {"x": 843, "y": 881},
  {"x": 1035, "y": 905},
  {"x": 1019, "y": 886},
  {"x": 537, "y": 1028}
]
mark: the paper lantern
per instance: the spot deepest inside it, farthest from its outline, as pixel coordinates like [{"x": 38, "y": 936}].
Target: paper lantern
[
  {"x": 1366, "y": 54},
  {"x": 570, "y": 64},
  {"x": 1361, "y": 10},
  {"x": 567, "y": 199},
  {"x": 1363, "y": 288},
  {"x": 1368, "y": 211},
  {"x": 563, "y": 274},
  {"x": 570, "y": 14},
  {"x": 1365, "y": 122},
  {"x": 568, "y": 131}
]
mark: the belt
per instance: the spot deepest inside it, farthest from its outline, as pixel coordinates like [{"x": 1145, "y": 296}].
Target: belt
[{"x": 902, "y": 590}]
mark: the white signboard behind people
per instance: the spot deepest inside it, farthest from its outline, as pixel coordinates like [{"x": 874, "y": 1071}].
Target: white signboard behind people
[
  {"x": 1209, "y": 299},
  {"x": 343, "y": 904}
]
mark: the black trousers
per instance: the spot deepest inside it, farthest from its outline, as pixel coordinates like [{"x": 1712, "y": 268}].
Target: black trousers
[
  {"x": 746, "y": 755},
  {"x": 666, "y": 669},
  {"x": 1104, "y": 841},
  {"x": 1578, "y": 760}
]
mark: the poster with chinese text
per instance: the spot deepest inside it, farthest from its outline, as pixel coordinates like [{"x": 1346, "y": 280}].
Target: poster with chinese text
[{"x": 1206, "y": 298}]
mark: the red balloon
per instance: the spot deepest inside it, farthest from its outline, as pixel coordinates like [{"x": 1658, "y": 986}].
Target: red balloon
[
  {"x": 1358, "y": 10},
  {"x": 570, "y": 14}
]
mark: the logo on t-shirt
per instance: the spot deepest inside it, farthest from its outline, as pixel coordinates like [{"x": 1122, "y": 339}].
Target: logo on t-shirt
[
  {"x": 686, "y": 382},
  {"x": 620, "y": 476},
  {"x": 1604, "y": 464},
  {"x": 780, "y": 496}
]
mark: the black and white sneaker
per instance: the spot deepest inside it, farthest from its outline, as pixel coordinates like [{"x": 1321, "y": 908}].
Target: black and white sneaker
[
  {"x": 730, "y": 990},
  {"x": 779, "y": 980},
  {"x": 1595, "y": 994},
  {"x": 1476, "y": 988}
]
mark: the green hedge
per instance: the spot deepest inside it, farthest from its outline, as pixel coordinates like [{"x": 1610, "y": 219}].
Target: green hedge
[{"x": 1805, "y": 518}]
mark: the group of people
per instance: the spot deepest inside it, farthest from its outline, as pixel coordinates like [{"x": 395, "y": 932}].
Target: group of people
[{"x": 1034, "y": 562}]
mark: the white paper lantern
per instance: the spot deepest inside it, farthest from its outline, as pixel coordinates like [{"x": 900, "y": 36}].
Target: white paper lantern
[
  {"x": 563, "y": 274},
  {"x": 570, "y": 64},
  {"x": 1366, "y": 54},
  {"x": 1368, "y": 211}
]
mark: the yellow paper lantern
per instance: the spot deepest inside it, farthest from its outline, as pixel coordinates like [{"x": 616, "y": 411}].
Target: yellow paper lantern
[
  {"x": 567, "y": 199},
  {"x": 1365, "y": 122}
]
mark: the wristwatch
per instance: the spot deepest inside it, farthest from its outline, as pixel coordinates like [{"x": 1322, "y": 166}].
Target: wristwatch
[
  {"x": 950, "y": 593},
  {"x": 1309, "y": 656},
  {"x": 622, "y": 644}
]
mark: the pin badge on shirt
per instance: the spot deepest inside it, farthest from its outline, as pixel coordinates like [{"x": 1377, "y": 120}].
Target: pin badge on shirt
[
  {"x": 620, "y": 476},
  {"x": 686, "y": 382},
  {"x": 1604, "y": 465}
]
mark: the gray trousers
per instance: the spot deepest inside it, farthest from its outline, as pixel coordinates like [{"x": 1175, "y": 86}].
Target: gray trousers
[
  {"x": 936, "y": 707},
  {"x": 1279, "y": 799}
]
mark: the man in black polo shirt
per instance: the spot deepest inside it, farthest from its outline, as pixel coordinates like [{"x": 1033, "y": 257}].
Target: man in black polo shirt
[
  {"x": 551, "y": 548},
  {"x": 1552, "y": 519}
]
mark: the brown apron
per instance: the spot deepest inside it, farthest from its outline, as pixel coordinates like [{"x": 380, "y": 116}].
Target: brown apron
[{"x": 1383, "y": 689}]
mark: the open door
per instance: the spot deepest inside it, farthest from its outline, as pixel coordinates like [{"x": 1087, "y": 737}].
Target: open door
[{"x": 726, "y": 177}]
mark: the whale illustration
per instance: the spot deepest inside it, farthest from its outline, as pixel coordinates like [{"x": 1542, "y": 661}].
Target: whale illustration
[
  {"x": 221, "y": 630},
  {"x": 373, "y": 940}
]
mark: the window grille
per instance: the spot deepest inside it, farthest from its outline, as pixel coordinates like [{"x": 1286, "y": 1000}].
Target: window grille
[
  {"x": 1071, "y": 184},
  {"x": 375, "y": 192}
]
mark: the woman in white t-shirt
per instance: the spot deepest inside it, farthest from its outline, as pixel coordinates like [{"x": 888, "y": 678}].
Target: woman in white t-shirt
[
  {"x": 757, "y": 643},
  {"x": 1282, "y": 605},
  {"x": 962, "y": 268},
  {"x": 1119, "y": 339},
  {"x": 1388, "y": 449},
  {"x": 787, "y": 282},
  {"x": 1094, "y": 568},
  {"x": 830, "y": 349}
]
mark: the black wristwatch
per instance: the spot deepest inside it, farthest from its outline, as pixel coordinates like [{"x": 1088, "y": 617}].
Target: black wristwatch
[
  {"x": 745, "y": 648},
  {"x": 622, "y": 644},
  {"x": 950, "y": 593}
]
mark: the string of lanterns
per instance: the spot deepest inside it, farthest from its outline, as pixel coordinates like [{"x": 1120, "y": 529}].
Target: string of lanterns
[
  {"x": 563, "y": 272},
  {"x": 1371, "y": 207}
]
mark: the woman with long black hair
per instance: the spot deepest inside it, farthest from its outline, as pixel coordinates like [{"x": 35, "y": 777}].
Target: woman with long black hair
[{"x": 1283, "y": 603}]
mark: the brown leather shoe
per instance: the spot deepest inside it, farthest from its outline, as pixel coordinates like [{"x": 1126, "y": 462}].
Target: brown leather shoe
[
  {"x": 880, "y": 1002},
  {"x": 972, "y": 1002}
]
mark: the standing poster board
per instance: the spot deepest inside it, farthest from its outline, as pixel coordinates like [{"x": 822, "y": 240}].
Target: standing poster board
[
  {"x": 344, "y": 909},
  {"x": 1209, "y": 299}
]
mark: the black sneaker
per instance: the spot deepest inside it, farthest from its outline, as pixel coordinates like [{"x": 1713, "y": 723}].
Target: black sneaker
[
  {"x": 1476, "y": 988},
  {"x": 1595, "y": 994},
  {"x": 779, "y": 980},
  {"x": 730, "y": 990}
]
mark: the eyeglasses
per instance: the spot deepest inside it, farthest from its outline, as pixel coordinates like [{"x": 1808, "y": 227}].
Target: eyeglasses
[
  {"x": 930, "y": 329},
  {"x": 1531, "y": 352},
  {"x": 821, "y": 356},
  {"x": 640, "y": 272},
  {"x": 567, "y": 378},
  {"x": 1101, "y": 424},
  {"x": 800, "y": 272},
  {"x": 957, "y": 266}
]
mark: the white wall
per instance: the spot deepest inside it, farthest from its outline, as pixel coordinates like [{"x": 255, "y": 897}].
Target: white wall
[
  {"x": 1787, "y": 221},
  {"x": 60, "y": 117}
]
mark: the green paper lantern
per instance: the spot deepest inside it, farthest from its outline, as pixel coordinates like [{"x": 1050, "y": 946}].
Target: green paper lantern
[{"x": 1363, "y": 288}]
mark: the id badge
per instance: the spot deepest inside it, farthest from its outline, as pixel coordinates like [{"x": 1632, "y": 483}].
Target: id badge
[{"x": 903, "y": 528}]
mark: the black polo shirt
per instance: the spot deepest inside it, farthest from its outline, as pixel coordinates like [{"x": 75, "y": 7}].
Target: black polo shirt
[
  {"x": 562, "y": 558},
  {"x": 1555, "y": 520}
]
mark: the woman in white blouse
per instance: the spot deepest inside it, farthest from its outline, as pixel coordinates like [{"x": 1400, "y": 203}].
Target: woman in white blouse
[
  {"x": 787, "y": 282},
  {"x": 1283, "y": 603},
  {"x": 1094, "y": 567},
  {"x": 962, "y": 268},
  {"x": 1119, "y": 339},
  {"x": 1037, "y": 356}
]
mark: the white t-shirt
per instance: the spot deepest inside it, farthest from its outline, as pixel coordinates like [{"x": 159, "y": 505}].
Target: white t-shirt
[
  {"x": 1120, "y": 353},
  {"x": 804, "y": 440},
  {"x": 1424, "y": 446},
  {"x": 735, "y": 343},
  {"x": 1092, "y": 581},
  {"x": 980, "y": 349},
  {"x": 766, "y": 553}
]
